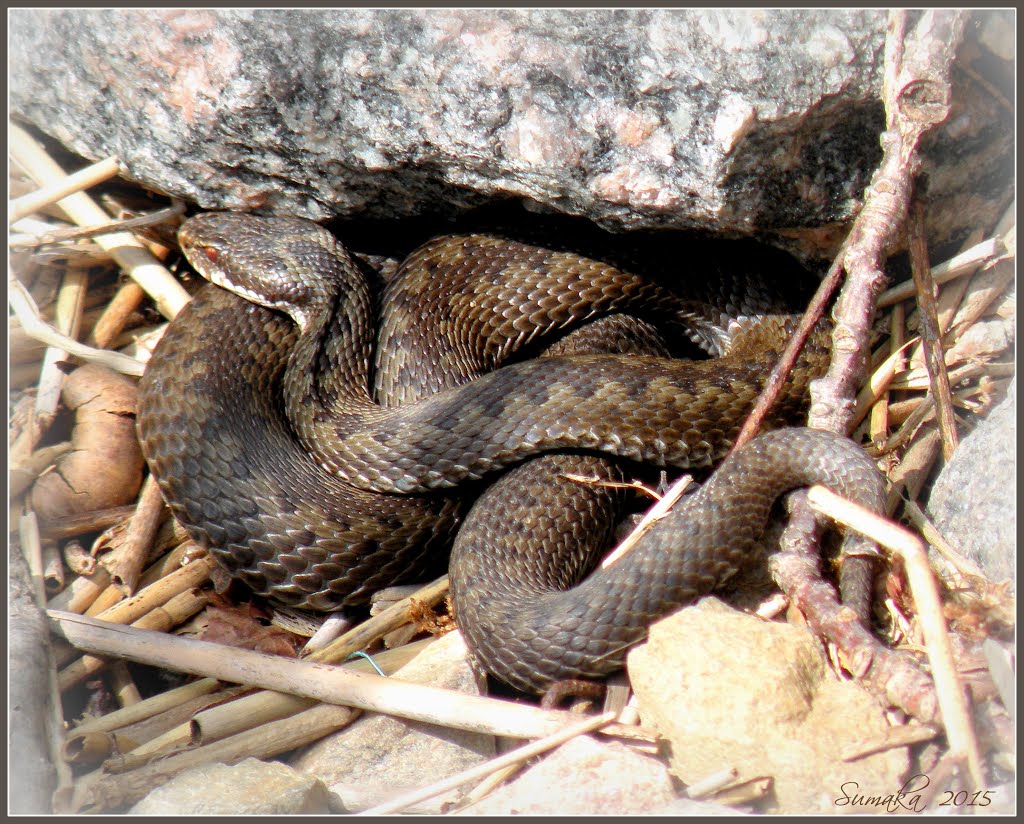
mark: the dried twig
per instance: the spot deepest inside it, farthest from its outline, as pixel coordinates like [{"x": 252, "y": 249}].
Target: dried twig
[
  {"x": 949, "y": 691},
  {"x": 930, "y": 332},
  {"x": 893, "y": 676},
  {"x": 917, "y": 98}
]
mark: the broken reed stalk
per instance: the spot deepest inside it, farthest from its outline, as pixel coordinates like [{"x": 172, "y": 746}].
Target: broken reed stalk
[
  {"x": 244, "y": 712},
  {"x": 142, "y": 531},
  {"x": 374, "y": 628},
  {"x": 130, "y": 254},
  {"x": 58, "y": 189},
  {"x": 105, "y": 792},
  {"x": 175, "y": 611},
  {"x": 517, "y": 756},
  {"x": 149, "y": 595},
  {"x": 159, "y": 592},
  {"x": 155, "y": 705},
  {"x": 909, "y": 548},
  {"x": 122, "y": 685},
  {"x": 67, "y": 319},
  {"x": 114, "y": 318},
  {"x": 53, "y": 568},
  {"x": 310, "y": 679},
  {"x": 931, "y": 336},
  {"x": 91, "y": 747}
]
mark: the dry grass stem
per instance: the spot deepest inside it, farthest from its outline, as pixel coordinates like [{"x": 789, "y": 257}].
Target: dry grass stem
[
  {"x": 651, "y": 517},
  {"x": 28, "y": 314},
  {"x": 59, "y": 189},
  {"x": 909, "y": 548},
  {"x": 130, "y": 254},
  {"x": 142, "y": 529},
  {"x": 591, "y": 480},
  {"x": 965, "y": 263},
  {"x": 879, "y": 383},
  {"x": 965, "y": 566},
  {"x": 517, "y": 756},
  {"x": 904, "y": 736},
  {"x": 489, "y": 785}
]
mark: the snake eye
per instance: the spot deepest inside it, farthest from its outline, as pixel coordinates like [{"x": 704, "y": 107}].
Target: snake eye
[{"x": 211, "y": 254}]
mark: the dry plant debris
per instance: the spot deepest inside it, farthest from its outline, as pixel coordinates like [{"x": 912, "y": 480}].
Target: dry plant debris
[{"x": 949, "y": 327}]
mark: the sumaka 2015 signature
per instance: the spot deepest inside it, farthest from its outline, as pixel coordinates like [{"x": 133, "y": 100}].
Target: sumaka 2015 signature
[{"x": 909, "y": 797}]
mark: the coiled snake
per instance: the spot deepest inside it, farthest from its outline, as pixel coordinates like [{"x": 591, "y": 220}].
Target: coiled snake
[{"x": 269, "y": 443}]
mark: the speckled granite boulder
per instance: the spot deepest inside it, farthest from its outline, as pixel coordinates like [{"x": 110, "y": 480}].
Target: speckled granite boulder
[
  {"x": 974, "y": 500},
  {"x": 744, "y": 121}
]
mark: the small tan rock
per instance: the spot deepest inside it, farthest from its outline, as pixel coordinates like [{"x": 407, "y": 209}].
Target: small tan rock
[
  {"x": 728, "y": 689},
  {"x": 251, "y": 787}
]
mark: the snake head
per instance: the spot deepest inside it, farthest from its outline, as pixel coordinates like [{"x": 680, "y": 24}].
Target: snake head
[{"x": 287, "y": 264}]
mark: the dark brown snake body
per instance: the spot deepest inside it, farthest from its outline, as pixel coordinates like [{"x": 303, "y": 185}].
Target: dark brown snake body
[{"x": 323, "y": 493}]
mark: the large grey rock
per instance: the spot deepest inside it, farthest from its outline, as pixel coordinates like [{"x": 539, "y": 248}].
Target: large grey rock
[
  {"x": 740, "y": 120},
  {"x": 974, "y": 500}
]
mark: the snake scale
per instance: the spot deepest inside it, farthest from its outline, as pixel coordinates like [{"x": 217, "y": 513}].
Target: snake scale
[{"x": 318, "y": 467}]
